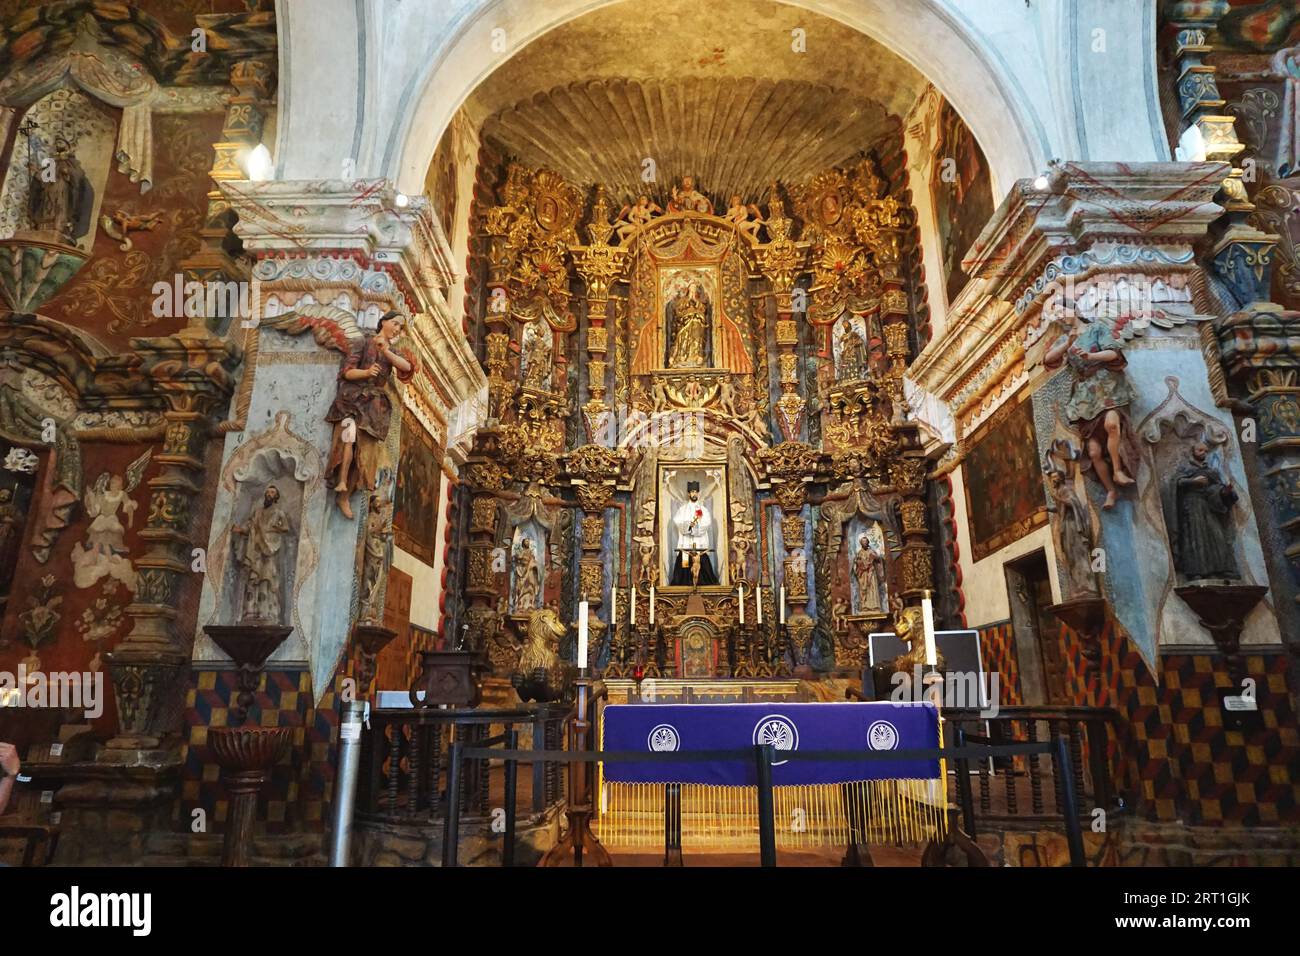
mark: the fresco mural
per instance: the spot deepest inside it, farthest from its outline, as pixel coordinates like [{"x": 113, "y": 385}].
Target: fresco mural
[{"x": 963, "y": 195}]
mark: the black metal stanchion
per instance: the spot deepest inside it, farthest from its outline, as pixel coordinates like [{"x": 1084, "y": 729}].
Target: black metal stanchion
[
  {"x": 672, "y": 824},
  {"x": 451, "y": 823},
  {"x": 964, "y": 794},
  {"x": 766, "y": 810},
  {"x": 511, "y": 798}
]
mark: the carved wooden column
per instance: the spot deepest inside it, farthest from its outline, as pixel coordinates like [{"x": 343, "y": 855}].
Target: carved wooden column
[
  {"x": 599, "y": 265},
  {"x": 246, "y": 111},
  {"x": 907, "y": 475},
  {"x": 791, "y": 466},
  {"x": 149, "y": 668},
  {"x": 593, "y": 471},
  {"x": 485, "y": 478},
  {"x": 782, "y": 261}
]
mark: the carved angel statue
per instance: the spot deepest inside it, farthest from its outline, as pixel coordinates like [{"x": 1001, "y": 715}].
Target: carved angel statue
[
  {"x": 633, "y": 217},
  {"x": 1099, "y": 399},
  {"x": 738, "y": 214},
  {"x": 362, "y": 410},
  {"x": 102, "y": 554}
]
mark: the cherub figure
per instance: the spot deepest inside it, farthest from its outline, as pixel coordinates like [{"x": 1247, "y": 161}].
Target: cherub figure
[
  {"x": 738, "y": 214},
  {"x": 104, "y": 552},
  {"x": 633, "y": 217},
  {"x": 362, "y": 410}
]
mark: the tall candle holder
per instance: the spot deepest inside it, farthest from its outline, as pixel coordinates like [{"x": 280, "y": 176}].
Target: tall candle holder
[{"x": 579, "y": 840}]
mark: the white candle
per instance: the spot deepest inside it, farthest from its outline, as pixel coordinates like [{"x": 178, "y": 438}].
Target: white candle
[
  {"x": 927, "y": 621},
  {"x": 582, "y": 634},
  {"x": 613, "y": 607},
  {"x": 652, "y": 605},
  {"x": 632, "y": 594},
  {"x": 741, "y": 589},
  {"x": 781, "y": 605},
  {"x": 758, "y": 602}
]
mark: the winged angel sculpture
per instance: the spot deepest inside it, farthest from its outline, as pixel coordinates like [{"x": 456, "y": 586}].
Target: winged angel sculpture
[
  {"x": 362, "y": 410},
  {"x": 1086, "y": 330}
]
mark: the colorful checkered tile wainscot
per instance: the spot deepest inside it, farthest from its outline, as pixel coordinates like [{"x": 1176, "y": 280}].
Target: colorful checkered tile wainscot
[
  {"x": 998, "y": 648},
  {"x": 294, "y": 798},
  {"x": 1188, "y": 765}
]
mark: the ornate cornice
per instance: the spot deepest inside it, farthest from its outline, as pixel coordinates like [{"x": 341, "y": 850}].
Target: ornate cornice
[{"x": 1091, "y": 218}]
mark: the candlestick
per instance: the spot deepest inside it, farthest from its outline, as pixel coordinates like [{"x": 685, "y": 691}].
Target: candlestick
[
  {"x": 741, "y": 588},
  {"x": 927, "y": 621},
  {"x": 781, "y": 605},
  {"x": 652, "y": 605},
  {"x": 758, "y": 602},
  {"x": 582, "y": 635}
]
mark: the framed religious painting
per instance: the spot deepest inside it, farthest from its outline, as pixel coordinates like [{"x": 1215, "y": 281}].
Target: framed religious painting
[
  {"x": 418, "y": 494},
  {"x": 693, "y": 534},
  {"x": 1003, "y": 481}
]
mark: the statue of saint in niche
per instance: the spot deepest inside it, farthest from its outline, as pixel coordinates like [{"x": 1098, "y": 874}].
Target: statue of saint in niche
[
  {"x": 1203, "y": 542},
  {"x": 869, "y": 575},
  {"x": 688, "y": 328},
  {"x": 1099, "y": 401},
  {"x": 692, "y": 555},
  {"x": 61, "y": 197},
  {"x": 260, "y": 560},
  {"x": 537, "y": 359},
  {"x": 852, "y": 353},
  {"x": 528, "y": 578}
]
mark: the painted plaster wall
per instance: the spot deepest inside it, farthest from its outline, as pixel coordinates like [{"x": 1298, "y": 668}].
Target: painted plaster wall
[
  {"x": 984, "y": 583},
  {"x": 323, "y": 607}
]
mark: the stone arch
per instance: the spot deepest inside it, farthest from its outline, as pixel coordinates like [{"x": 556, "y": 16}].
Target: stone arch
[{"x": 1018, "y": 77}]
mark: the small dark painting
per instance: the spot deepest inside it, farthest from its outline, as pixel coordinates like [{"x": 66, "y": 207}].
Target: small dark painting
[
  {"x": 1004, "y": 483},
  {"x": 419, "y": 479}
]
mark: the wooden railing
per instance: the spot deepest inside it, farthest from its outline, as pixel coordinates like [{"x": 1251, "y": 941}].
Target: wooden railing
[
  {"x": 1011, "y": 790},
  {"x": 404, "y": 767},
  {"x": 1026, "y": 789}
]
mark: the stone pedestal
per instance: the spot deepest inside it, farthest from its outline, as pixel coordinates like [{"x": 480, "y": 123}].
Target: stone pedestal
[{"x": 247, "y": 754}]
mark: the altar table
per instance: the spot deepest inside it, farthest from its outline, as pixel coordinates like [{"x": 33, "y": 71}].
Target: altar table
[{"x": 817, "y": 801}]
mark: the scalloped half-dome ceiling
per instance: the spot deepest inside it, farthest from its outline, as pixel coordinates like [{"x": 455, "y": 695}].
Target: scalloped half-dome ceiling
[{"x": 715, "y": 90}]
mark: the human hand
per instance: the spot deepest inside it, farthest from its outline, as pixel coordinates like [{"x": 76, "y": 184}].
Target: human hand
[
  {"x": 373, "y": 372},
  {"x": 9, "y": 760}
]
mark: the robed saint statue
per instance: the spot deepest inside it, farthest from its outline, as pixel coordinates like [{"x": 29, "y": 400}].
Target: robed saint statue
[{"x": 688, "y": 329}]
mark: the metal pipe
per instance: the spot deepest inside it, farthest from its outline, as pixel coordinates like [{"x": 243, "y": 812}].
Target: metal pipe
[{"x": 345, "y": 790}]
